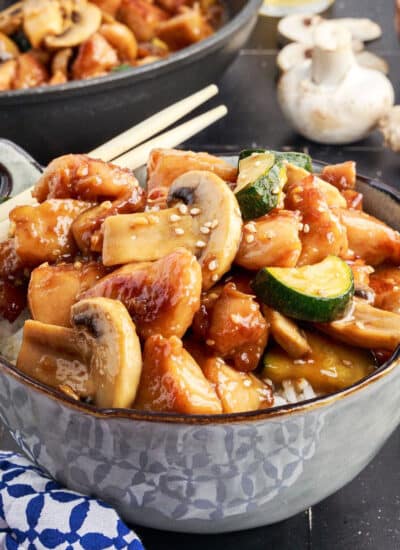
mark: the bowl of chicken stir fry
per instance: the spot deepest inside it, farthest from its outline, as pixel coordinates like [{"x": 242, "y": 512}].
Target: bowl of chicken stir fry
[
  {"x": 101, "y": 64},
  {"x": 198, "y": 342}
]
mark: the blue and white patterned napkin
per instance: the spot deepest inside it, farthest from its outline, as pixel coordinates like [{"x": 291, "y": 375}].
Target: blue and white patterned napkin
[{"x": 37, "y": 513}]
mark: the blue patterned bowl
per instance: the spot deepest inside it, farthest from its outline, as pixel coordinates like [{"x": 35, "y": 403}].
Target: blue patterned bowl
[{"x": 206, "y": 474}]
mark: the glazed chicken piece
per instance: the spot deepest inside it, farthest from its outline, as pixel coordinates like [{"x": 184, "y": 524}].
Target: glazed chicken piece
[
  {"x": 53, "y": 289},
  {"x": 8, "y": 70},
  {"x": 184, "y": 29},
  {"x": 165, "y": 165},
  {"x": 272, "y": 240},
  {"x": 43, "y": 232},
  {"x": 12, "y": 300},
  {"x": 343, "y": 176},
  {"x": 11, "y": 266},
  {"x": 322, "y": 233},
  {"x": 161, "y": 297},
  {"x": 369, "y": 238},
  {"x": 30, "y": 72},
  {"x": 108, "y": 6},
  {"x": 142, "y": 17},
  {"x": 385, "y": 282},
  {"x": 96, "y": 57},
  {"x": 87, "y": 228},
  {"x": 238, "y": 391},
  {"x": 232, "y": 326},
  {"x": 361, "y": 274},
  {"x": 83, "y": 178},
  {"x": 172, "y": 381},
  {"x": 354, "y": 199}
]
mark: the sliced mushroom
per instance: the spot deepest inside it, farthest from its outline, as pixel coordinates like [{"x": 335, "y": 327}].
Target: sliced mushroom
[
  {"x": 86, "y": 21},
  {"x": 287, "y": 333},
  {"x": 100, "y": 357},
  {"x": 8, "y": 48},
  {"x": 41, "y": 18},
  {"x": 367, "y": 327},
  {"x": 60, "y": 61},
  {"x": 122, "y": 39},
  {"x": 217, "y": 218},
  {"x": 146, "y": 236}
]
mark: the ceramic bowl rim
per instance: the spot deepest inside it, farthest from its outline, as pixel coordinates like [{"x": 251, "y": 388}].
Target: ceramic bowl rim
[
  {"x": 151, "y": 70},
  {"x": 176, "y": 418}
]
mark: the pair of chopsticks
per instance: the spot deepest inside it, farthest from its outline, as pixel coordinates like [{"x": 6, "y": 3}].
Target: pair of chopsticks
[{"x": 131, "y": 150}]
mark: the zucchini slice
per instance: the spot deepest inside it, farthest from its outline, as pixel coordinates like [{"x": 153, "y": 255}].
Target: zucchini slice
[
  {"x": 298, "y": 159},
  {"x": 329, "y": 366},
  {"x": 310, "y": 293},
  {"x": 259, "y": 184}
]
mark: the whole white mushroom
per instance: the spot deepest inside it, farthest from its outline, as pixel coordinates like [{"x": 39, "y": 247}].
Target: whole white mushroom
[{"x": 330, "y": 98}]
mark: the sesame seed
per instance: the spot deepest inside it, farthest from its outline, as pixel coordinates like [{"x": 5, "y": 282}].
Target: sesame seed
[
  {"x": 247, "y": 382},
  {"x": 179, "y": 231},
  {"x": 208, "y": 224},
  {"x": 250, "y": 238},
  {"x": 214, "y": 224},
  {"x": 210, "y": 342},
  {"x": 214, "y": 277},
  {"x": 183, "y": 208},
  {"x": 174, "y": 218},
  {"x": 346, "y": 362},
  {"x": 77, "y": 265},
  {"x": 250, "y": 227},
  {"x": 201, "y": 244},
  {"x": 212, "y": 266},
  {"x": 204, "y": 230},
  {"x": 153, "y": 219},
  {"x": 360, "y": 325},
  {"x": 306, "y": 228},
  {"x": 195, "y": 211}
]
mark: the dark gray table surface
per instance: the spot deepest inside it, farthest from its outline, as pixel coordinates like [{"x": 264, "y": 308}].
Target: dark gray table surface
[{"x": 365, "y": 515}]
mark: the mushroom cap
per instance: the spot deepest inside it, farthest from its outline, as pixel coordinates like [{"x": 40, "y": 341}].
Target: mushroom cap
[
  {"x": 116, "y": 358},
  {"x": 219, "y": 220},
  {"x": 390, "y": 128},
  {"x": 370, "y": 60},
  {"x": 86, "y": 22}
]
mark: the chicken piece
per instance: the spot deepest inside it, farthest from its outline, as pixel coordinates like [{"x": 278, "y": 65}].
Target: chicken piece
[
  {"x": 272, "y": 240},
  {"x": 95, "y": 57},
  {"x": 12, "y": 300},
  {"x": 322, "y": 234},
  {"x": 385, "y": 282},
  {"x": 161, "y": 297},
  {"x": 11, "y": 266},
  {"x": 353, "y": 198},
  {"x": 172, "y": 6},
  {"x": 370, "y": 239},
  {"x": 108, "y": 6},
  {"x": 54, "y": 289},
  {"x": 43, "y": 232},
  {"x": 88, "y": 226},
  {"x": 81, "y": 177},
  {"x": 166, "y": 165},
  {"x": 30, "y": 72},
  {"x": 232, "y": 326},
  {"x": 238, "y": 391},
  {"x": 184, "y": 29},
  {"x": 155, "y": 49},
  {"x": 172, "y": 381},
  {"x": 8, "y": 71},
  {"x": 342, "y": 176},
  {"x": 142, "y": 17},
  {"x": 122, "y": 39}
]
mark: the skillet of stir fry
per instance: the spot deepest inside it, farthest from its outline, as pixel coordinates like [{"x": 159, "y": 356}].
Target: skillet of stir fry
[
  {"x": 46, "y": 42},
  {"x": 216, "y": 289}
]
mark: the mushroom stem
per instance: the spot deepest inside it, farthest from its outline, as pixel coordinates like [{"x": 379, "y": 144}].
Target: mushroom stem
[{"x": 333, "y": 55}]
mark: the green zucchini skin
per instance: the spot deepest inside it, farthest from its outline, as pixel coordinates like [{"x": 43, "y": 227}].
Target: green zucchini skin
[
  {"x": 298, "y": 159},
  {"x": 298, "y": 305},
  {"x": 261, "y": 196}
]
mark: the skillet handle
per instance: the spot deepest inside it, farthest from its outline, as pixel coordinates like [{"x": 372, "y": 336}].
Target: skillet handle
[{"x": 18, "y": 170}]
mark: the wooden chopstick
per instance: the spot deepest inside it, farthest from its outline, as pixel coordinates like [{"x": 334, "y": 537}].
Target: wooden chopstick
[
  {"x": 133, "y": 159},
  {"x": 137, "y": 134},
  {"x": 138, "y": 156},
  {"x": 153, "y": 125}
]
